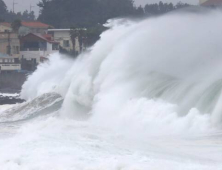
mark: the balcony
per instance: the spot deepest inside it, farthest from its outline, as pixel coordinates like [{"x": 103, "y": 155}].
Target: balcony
[{"x": 33, "y": 49}]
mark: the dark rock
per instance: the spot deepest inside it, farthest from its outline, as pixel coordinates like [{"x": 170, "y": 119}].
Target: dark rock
[{"x": 10, "y": 100}]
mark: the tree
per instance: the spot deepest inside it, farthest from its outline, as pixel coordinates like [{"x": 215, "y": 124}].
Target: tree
[
  {"x": 3, "y": 10},
  {"x": 93, "y": 34},
  {"x": 139, "y": 11},
  {"x": 162, "y": 8},
  {"x": 10, "y": 16},
  {"x": 151, "y": 9},
  {"x": 31, "y": 16},
  {"x": 74, "y": 33},
  {"x": 16, "y": 24},
  {"x": 81, "y": 37},
  {"x": 83, "y": 13},
  {"x": 80, "y": 34},
  {"x": 181, "y": 5},
  {"x": 86, "y": 37},
  {"x": 27, "y": 16}
]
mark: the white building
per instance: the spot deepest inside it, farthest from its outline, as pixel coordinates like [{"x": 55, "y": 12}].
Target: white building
[
  {"x": 9, "y": 44},
  {"x": 62, "y": 36},
  {"x": 9, "y": 63},
  {"x": 33, "y": 27},
  {"x": 5, "y": 26},
  {"x": 37, "y": 47}
]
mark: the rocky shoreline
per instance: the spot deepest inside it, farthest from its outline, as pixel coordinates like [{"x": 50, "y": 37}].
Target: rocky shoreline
[
  {"x": 12, "y": 98},
  {"x": 10, "y": 87}
]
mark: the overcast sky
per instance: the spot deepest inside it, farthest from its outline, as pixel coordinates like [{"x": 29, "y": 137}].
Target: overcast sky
[{"x": 25, "y": 4}]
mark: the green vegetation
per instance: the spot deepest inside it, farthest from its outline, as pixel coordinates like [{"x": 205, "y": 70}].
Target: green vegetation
[
  {"x": 3, "y": 10},
  {"x": 161, "y": 8},
  {"x": 85, "y": 13},
  {"x": 82, "y": 13},
  {"x": 16, "y": 24},
  {"x": 85, "y": 17},
  {"x": 86, "y": 37},
  {"x": 9, "y": 16},
  {"x": 92, "y": 14},
  {"x": 88, "y": 13}
]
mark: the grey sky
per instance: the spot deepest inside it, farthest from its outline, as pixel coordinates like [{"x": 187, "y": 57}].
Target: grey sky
[{"x": 25, "y": 4}]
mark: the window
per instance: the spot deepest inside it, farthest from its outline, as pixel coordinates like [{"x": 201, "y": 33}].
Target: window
[
  {"x": 15, "y": 49},
  {"x": 9, "y": 49},
  {"x": 66, "y": 43}
]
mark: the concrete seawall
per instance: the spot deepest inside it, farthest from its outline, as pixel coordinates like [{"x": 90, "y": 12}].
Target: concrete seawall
[{"x": 12, "y": 82}]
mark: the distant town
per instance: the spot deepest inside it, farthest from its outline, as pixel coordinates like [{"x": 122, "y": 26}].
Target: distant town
[
  {"x": 33, "y": 44},
  {"x": 25, "y": 44}
]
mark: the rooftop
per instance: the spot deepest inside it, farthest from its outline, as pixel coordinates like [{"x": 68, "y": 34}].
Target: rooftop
[
  {"x": 35, "y": 24},
  {"x": 6, "y": 24},
  {"x": 44, "y": 37},
  {"x": 55, "y": 30},
  {"x": 211, "y": 2}
]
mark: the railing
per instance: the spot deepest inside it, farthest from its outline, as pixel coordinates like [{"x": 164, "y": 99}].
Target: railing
[
  {"x": 9, "y": 64},
  {"x": 33, "y": 49}
]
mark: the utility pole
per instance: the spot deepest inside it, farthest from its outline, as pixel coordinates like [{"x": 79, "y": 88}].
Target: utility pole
[
  {"x": 13, "y": 6},
  {"x": 9, "y": 43},
  {"x": 31, "y": 7}
]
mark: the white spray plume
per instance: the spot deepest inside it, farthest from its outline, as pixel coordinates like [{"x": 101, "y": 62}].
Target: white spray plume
[
  {"x": 47, "y": 77},
  {"x": 160, "y": 74}
]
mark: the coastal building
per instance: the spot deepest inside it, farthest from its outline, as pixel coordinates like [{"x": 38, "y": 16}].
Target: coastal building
[
  {"x": 9, "y": 63},
  {"x": 9, "y": 44},
  {"x": 211, "y": 2},
  {"x": 37, "y": 47},
  {"x": 5, "y": 26},
  {"x": 62, "y": 36},
  {"x": 33, "y": 27}
]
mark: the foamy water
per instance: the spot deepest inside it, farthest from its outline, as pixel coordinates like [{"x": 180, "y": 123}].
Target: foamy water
[{"x": 146, "y": 96}]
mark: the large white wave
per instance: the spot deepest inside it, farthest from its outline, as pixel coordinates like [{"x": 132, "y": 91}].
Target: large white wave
[
  {"x": 157, "y": 76},
  {"x": 47, "y": 77}
]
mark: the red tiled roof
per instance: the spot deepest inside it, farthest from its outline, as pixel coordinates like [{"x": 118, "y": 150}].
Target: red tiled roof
[
  {"x": 43, "y": 37},
  {"x": 6, "y": 24},
  {"x": 213, "y": 2},
  {"x": 35, "y": 24}
]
